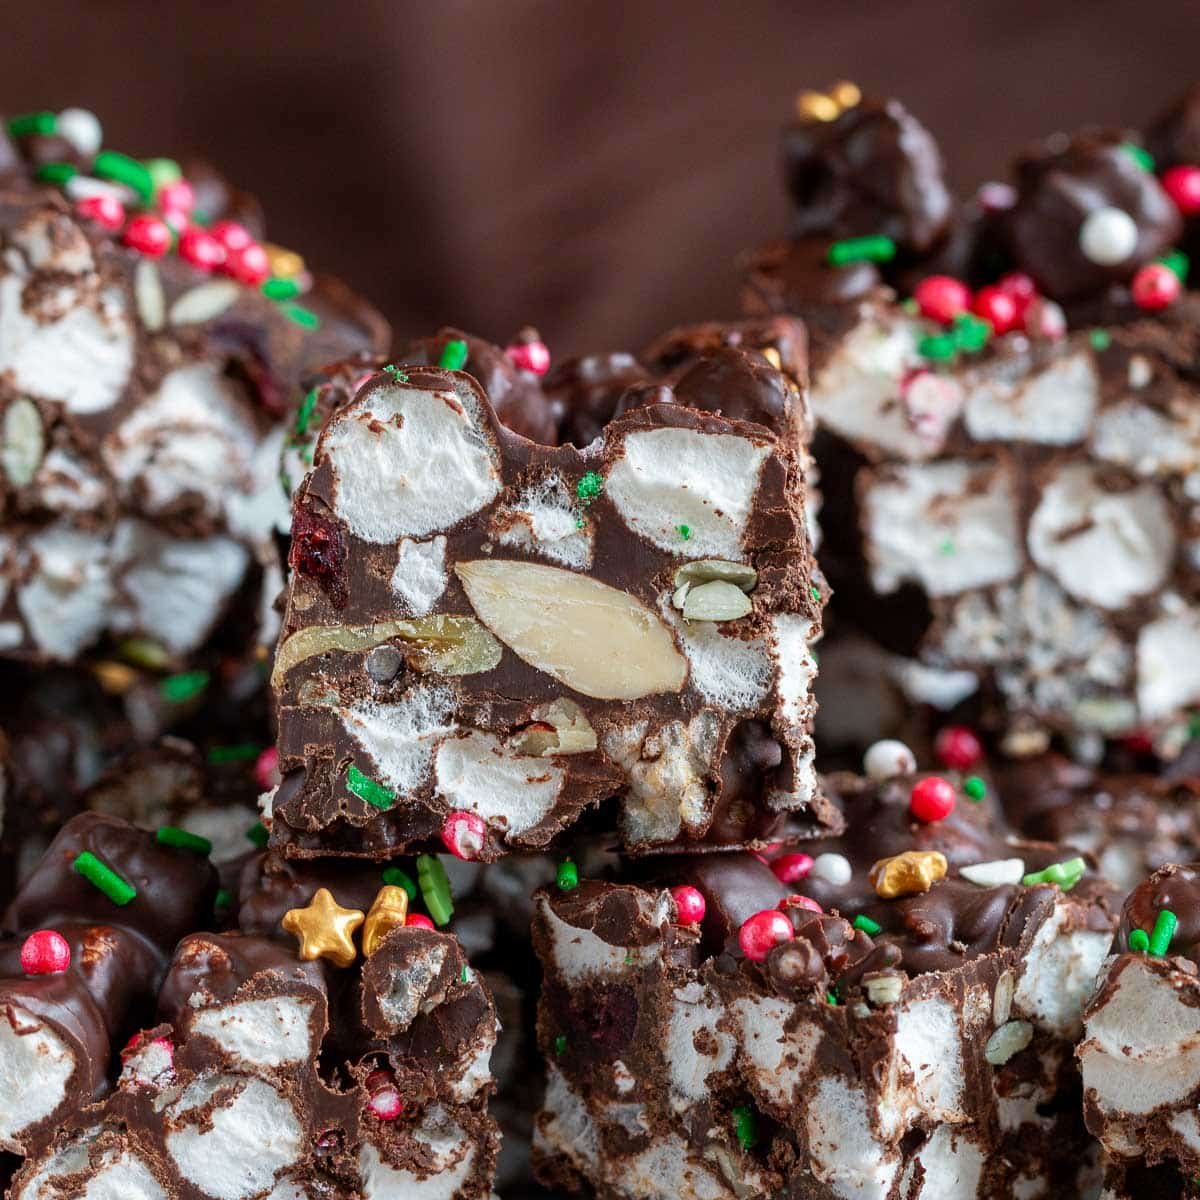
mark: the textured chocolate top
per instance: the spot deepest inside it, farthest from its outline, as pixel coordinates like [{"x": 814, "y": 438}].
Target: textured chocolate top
[{"x": 1175, "y": 888}]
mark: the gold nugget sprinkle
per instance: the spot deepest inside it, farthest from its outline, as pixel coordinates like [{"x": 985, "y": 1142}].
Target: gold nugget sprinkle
[
  {"x": 846, "y": 94},
  {"x": 324, "y": 929},
  {"x": 817, "y": 106},
  {"x": 285, "y": 264},
  {"x": 907, "y": 874},
  {"x": 389, "y": 910},
  {"x": 114, "y": 677}
]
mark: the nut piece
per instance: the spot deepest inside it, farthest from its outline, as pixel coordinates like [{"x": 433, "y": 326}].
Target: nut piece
[
  {"x": 561, "y": 728},
  {"x": 883, "y": 987},
  {"x": 706, "y": 570},
  {"x": 1008, "y": 1040},
  {"x": 24, "y": 441},
  {"x": 596, "y": 640},
  {"x": 907, "y": 874},
  {"x": 715, "y": 601}
]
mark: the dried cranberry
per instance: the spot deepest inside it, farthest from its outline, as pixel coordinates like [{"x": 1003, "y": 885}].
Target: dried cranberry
[{"x": 319, "y": 552}]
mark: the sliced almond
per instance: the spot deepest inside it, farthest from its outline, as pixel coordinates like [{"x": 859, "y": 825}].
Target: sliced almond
[
  {"x": 24, "y": 441},
  {"x": 204, "y": 302},
  {"x": 705, "y": 570},
  {"x": 716, "y": 601},
  {"x": 148, "y": 288},
  {"x": 440, "y": 645},
  {"x": 595, "y": 639}
]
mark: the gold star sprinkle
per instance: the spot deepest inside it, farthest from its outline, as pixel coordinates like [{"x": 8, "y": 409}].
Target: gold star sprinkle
[
  {"x": 325, "y": 929},
  {"x": 389, "y": 910}
]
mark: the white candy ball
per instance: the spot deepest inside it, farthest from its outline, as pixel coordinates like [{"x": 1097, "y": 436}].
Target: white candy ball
[
  {"x": 1108, "y": 236},
  {"x": 82, "y": 129},
  {"x": 833, "y": 868},
  {"x": 888, "y": 758}
]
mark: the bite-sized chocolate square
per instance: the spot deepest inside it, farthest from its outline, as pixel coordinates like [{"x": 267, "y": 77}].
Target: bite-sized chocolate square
[{"x": 485, "y": 635}]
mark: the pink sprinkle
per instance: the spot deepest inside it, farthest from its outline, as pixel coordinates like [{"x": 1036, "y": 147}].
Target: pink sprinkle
[
  {"x": 420, "y": 921},
  {"x": 464, "y": 834},
  {"x": 384, "y": 1098},
  {"x": 689, "y": 904},
  {"x": 45, "y": 953},
  {"x": 529, "y": 356},
  {"x": 798, "y": 901},
  {"x": 266, "y": 769},
  {"x": 791, "y": 867}
]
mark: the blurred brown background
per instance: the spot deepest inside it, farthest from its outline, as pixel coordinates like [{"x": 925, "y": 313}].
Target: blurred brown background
[{"x": 589, "y": 167}]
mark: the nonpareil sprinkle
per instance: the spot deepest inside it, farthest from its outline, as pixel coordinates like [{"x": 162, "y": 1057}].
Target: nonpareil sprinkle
[
  {"x": 589, "y": 486},
  {"x": 975, "y": 788}
]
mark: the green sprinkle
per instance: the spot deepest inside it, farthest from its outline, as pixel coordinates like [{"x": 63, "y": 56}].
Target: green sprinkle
[
  {"x": 1101, "y": 339},
  {"x": 975, "y": 788},
  {"x": 831, "y": 998},
  {"x": 1163, "y": 932},
  {"x": 180, "y": 839},
  {"x": 866, "y": 925},
  {"x": 57, "y": 173},
  {"x": 44, "y": 123},
  {"x": 120, "y": 168},
  {"x": 684, "y": 531},
  {"x": 102, "y": 877},
  {"x": 280, "y": 289},
  {"x": 463, "y": 976},
  {"x": 223, "y": 901},
  {"x": 628, "y": 959},
  {"x": 745, "y": 1128},
  {"x": 589, "y": 486},
  {"x": 1066, "y": 874},
  {"x": 1177, "y": 262},
  {"x": 185, "y": 686},
  {"x": 1142, "y": 157},
  {"x": 304, "y": 317},
  {"x": 257, "y": 833},
  {"x": 304, "y": 415},
  {"x": 394, "y": 877},
  {"x": 1139, "y": 941},
  {"x": 560, "y": 1045},
  {"x": 874, "y": 248},
  {"x": 244, "y": 752},
  {"x": 1193, "y": 725},
  {"x": 946, "y": 546},
  {"x": 454, "y": 355},
  {"x": 396, "y": 373},
  {"x": 365, "y": 788},
  {"x": 163, "y": 171},
  {"x": 567, "y": 876},
  {"x": 971, "y": 333},
  {"x": 940, "y": 347},
  {"x": 435, "y": 888},
  {"x": 815, "y": 592},
  {"x": 910, "y": 306},
  {"x": 145, "y": 652}
]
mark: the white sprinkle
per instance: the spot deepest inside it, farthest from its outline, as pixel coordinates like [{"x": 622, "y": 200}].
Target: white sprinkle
[
  {"x": 995, "y": 874},
  {"x": 888, "y": 758},
  {"x": 83, "y": 187},
  {"x": 82, "y": 129},
  {"x": 833, "y": 868},
  {"x": 1108, "y": 236}
]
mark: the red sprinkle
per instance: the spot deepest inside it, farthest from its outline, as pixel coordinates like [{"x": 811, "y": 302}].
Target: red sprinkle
[
  {"x": 942, "y": 298},
  {"x": 45, "y": 953},
  {"x": 761, "y": 933},
  {"x": 932, "y": 799},
  {"x": 104, "y": 210},
  {"x": 529, "y": 356},
  {"x": 957, "y": 747},
  {"x": 266, "y": 769},
  {"x": 177, "y": 198},
  {"x": 1044, "y": 319},
  {"x": 383, "y": 1095},
  {"x": 1182, "y": 184},
  {"x": 789, "y": 868},
  {"x": 249, "y": 265},
  {"x": 231, "y": 235},
  {"x": 1155, "y": 287},
  {"x": 464, "y": 834},
  {"x": 798, "y": 901},
  {"x": 689, "y": 904},
  {"x": 1138, "y": 742},
  {"x": 1020, "y": 287},
  {"x": 148, "y": 235},
  {"x": 998, "y": 308},
  {"x": 419, "y": 921},
  {"x": 198, "y": 247}
]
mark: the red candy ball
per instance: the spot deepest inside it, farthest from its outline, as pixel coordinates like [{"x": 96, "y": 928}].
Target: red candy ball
[
  {"x": 419, "y": 921},
  {"x": 104, "y": 210},
  {"x": 761, "y": 933},
  {"x": 689, "y": 904},
  {"x": 464, "y": 834},
  {"x": 957, "y": 747},
  {"x": 266, "y": 769},
  {"x": 942, "y": 298},
  {"x": 231, "y": 235},
  {"x": 789, "y": 868},
  {"x": 1155, "y": 287},
  {"x": 530, "y": 356},
  {"x": 932, "y": 799},
  {"x": 198, "y": 247},
  {"x": 148, "y": 235},
  {"x": 383, "y": 1095},
  {"x": 45, "y": 953},
  {"x": 798, "y": 901},
  {"x": 177, "y": 198},
  {"x": 249, "y": 265},
  {"x": 998, "y": 308},
  {"x": 1020, "y": 287},
  {"x": 1182, "y": 184}
]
